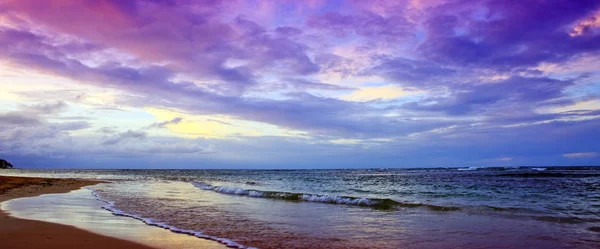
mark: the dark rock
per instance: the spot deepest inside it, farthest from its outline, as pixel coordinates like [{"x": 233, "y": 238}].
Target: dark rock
[
  {"x": 594, "y": 229},
  {"x": 5, "y": 164}
]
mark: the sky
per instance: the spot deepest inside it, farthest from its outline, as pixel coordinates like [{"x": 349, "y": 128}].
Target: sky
[{"x": 299, "y": 84}]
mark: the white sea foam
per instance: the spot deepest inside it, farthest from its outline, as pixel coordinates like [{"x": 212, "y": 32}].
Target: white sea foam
[
  {"x": 289, "y": 196},
  {"x": 253, "y": 193},
  {"x": 231, "y": 190},
  {"x": 538, "y": 169},
  {"x": 468, "y": 169},
  {"x": 110, "y": 206},
  {"x": 203, "y": 186},
  {"x": 337, "y": 199}
]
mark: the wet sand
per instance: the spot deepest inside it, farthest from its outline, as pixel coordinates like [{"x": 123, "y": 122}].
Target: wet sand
[
  {"x": 21, "y": 233},
  {"x": 74, "y": 210}
]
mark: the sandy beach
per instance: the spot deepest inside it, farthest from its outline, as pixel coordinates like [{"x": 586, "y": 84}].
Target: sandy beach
[
  {"x": 21, "y": 233},
  {"x": 182, "y": 209}
]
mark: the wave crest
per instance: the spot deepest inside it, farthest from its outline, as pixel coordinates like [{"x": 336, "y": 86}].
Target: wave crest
[{"x": 330, "y": 199}]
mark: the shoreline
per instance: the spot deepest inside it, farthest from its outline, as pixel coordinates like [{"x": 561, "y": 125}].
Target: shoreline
[{"x": 23, "y": 233}]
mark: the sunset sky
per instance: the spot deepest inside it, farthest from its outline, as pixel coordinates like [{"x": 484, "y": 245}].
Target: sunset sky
[{"x": 299, "y": 84}]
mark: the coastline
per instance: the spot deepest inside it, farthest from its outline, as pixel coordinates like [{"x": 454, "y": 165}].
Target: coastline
[
  {"x": 151, "y": 207},
  {"x": 22, "y": 233}
]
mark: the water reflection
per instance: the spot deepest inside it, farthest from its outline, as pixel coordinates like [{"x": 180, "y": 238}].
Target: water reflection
[{"x": 80, "y": 209}]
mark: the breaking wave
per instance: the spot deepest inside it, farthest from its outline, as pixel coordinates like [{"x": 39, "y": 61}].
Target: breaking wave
[
  {"x": 468, "y": 169},
  {"x": 330, "y": 199}
]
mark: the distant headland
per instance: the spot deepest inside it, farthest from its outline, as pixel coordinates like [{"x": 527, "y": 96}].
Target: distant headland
[{"x": 5, "y": 164}]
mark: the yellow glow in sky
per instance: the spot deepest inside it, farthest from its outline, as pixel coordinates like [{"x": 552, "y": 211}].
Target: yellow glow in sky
[
  {"x": 589, "y": 105},
  {"x": 380, "y": 92},
  {"x": 216, "y": 126}
]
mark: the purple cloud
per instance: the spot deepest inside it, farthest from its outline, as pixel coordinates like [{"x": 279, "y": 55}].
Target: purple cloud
[
  {"x": 124, "y": 136},
  {"x": 481, "y": 70},
  {"x": 509, "y": 35}
]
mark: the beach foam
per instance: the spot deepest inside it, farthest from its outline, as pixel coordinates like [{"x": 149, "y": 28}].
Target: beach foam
[{"x": 110, "y": 206}]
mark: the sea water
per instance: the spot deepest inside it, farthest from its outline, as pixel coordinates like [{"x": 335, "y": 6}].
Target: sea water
[{"x": 523, "y": 207}]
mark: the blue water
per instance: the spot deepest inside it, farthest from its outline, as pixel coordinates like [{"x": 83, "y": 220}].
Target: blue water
[{"x": 550, "y": 207}]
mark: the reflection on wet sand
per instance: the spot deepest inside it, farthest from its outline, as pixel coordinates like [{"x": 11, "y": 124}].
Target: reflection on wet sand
[{"x": 80, "y": 209}]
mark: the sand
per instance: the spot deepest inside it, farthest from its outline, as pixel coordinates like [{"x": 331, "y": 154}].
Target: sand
[{"x": 21, "y": 233}]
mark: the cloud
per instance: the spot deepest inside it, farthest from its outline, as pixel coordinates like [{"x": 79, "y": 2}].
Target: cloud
[
  {"x": 463, "y": 74},
  {"x": 46, "y": 108},
  {"x": 178, "y": 149},
  {"x": 367, "y": 24},
  {"x": 219, "y": 121},
  {"x": 302, "y": 84},
  {"x": 18, "y": 119},
  {"x": 36, "y": 114},
  {"x": 322, "y": 115},
  {"x": 373, "y": 93},
  {"x": 108, "y": 129},
  {"x": 407, "y": 72},
  {"x": 125, "y": 136},
  {"x": 176, "y": 120},
  {"x": 70, "y": 126},
  {"x": 42, "y": 139},
  {"x": 581, "y": 155},
  {"x": 588, "y": 25},
  {"x": 521, "y": 92},
  {"x": 500, "y": 40}
]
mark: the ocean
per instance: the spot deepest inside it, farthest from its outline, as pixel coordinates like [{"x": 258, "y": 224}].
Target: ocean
[{"x": 516, "y": 207}]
